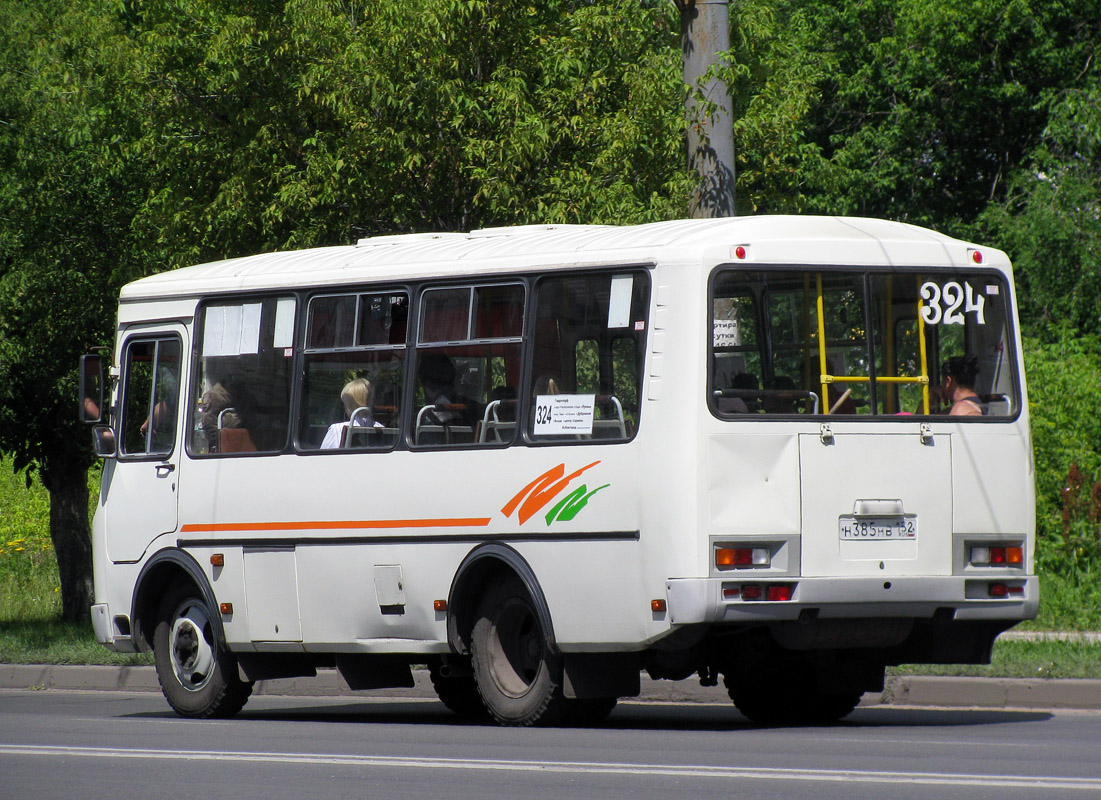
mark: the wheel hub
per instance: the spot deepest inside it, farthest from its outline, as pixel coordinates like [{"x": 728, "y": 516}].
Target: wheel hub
[{"x": 190, "y": 645}]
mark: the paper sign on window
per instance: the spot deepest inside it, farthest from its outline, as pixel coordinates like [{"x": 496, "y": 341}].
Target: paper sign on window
[
  {"x": 232, "y": 330},
  {"x": 619, "y": 303},
  {"x": 725, "y": 333},
  {"x": 561, "y": 414}
]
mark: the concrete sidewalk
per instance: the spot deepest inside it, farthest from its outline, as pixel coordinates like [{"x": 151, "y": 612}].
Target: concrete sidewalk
[{"x": 906, "y": 690}]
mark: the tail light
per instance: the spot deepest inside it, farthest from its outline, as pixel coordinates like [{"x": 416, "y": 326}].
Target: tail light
[
  {"x": 742, "y": 557},
  {"x": 772, "y": 592},
  {"x": 997, "y": 555}
]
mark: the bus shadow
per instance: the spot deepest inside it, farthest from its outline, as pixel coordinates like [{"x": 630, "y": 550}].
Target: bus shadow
[{"x": 628, "y": 716}]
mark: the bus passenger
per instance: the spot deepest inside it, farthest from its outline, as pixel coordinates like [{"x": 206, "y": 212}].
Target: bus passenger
[
  {"x": 356, "y": 399},
  {"x": 437, "y": 376},
  {"x": 545, "y": 384},
  {"x": 958, "y": 386},
  {"x": 215, "y": 400}
]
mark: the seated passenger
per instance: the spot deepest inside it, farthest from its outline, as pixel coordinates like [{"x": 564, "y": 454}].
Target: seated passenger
[
  {"x": 218, "y": 411},
  {"x": 545, "y": 384},
  {"x": 437, "y": 375},
  {"x": 741, "y": 400},
  {"x": 779, "y": 403},
  {"x": 958, "y": 386},
  {"x": 356, "y": 399}
]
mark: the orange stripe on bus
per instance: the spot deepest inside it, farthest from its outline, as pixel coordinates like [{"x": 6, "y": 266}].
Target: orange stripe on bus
[{"x": 359, "y": 524}]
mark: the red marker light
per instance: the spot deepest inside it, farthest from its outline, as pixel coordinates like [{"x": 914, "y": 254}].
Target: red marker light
[
  {"x": 739, "y": 252},
  {"x": 976, "y": 256},
  {"x": 779, "y": 593}
]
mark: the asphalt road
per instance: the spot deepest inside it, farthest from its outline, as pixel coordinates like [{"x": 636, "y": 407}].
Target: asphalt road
[{"x": 67, "y": 744}]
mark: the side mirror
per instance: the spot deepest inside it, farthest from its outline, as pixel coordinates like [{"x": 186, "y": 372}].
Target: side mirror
[
  {"x": 103, "y": 441},
  {"x": 91, "y": 389}
]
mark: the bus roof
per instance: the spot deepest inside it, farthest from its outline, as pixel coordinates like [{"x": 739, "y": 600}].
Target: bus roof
[{"x": 804, "y": 240}]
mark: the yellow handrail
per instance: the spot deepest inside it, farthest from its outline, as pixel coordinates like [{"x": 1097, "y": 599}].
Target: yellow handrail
[
  {"x": 924, "y": 357},
  {"x": 826, "y": 379}
]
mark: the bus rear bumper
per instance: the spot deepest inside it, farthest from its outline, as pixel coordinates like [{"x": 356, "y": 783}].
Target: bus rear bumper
[{"x": 969, "y": 598}]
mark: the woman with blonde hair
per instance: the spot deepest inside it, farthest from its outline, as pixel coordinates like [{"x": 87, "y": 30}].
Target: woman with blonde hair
[{"x": 356, "y": 399}]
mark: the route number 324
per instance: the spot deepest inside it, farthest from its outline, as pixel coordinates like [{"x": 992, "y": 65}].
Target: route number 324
[{"x": 947, "y": 304}]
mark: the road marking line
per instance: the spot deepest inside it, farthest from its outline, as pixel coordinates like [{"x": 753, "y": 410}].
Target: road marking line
[{"x": 573, "y": 767}]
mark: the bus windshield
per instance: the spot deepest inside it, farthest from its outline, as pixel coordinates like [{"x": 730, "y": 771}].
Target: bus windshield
[{"x": 861, "y": 343}]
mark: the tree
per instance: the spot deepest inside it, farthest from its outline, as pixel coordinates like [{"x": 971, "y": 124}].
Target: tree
[
  {"x": 297, "y": 123},
  {"x": 1050, "y": 219},
  {"x": 67, "y": 191},
  {"x": 933, "y": 104}
]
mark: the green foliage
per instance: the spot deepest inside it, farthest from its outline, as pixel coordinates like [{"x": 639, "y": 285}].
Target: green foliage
[
  {"x": 933, "y": 104},
  {"x": 1068, "y": 602},
  {"x": 298, "y": 123},
  {"x": 1064, "y": 383},
  {"x": 29, "y": 587},
  {"x": 1051, "y": 219}
]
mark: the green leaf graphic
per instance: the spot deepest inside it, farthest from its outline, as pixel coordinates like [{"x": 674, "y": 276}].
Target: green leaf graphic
[{"x": 568, "y": 507}]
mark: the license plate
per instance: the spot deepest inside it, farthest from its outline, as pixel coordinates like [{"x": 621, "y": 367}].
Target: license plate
[{"x": 879, "y": 529}]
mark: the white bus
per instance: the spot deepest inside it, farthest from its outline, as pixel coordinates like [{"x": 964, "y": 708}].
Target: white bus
[{"x": 783, "y": 451}]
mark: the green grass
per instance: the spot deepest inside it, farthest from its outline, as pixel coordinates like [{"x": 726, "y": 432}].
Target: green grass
[
  {"x": 57, "y": 642},
  {"x": 29, "y": 587},
  {"x": 1068, "y": 603},
  {"x": 31, "y": 631},
  {"x": 1018, "y": 659}
]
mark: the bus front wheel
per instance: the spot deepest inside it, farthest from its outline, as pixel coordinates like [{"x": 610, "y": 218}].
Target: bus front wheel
[
  {"x": 197, "y": 674},
  {"x": 518, "y": 677}
]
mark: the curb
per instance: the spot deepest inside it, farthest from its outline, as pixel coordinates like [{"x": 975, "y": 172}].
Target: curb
[{"x": 901, "y": 690}]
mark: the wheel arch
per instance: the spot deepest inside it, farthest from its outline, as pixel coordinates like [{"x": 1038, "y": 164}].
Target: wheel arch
[
  {"x": 160, "y": 572},
  {"x": 485, "y": 563}
]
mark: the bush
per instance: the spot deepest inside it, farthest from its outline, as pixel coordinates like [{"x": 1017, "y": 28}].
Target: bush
[{"x": 1064, "y": 386}]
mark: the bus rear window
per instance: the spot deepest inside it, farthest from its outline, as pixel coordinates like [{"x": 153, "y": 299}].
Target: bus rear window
[{"x": 861, "y": 343}]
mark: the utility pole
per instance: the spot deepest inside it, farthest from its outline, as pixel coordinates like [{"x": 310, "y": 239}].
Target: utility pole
[{"x": 705, "y": 36}]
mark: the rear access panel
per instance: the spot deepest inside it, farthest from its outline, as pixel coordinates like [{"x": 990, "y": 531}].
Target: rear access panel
[{"x": 876, "y": 504}]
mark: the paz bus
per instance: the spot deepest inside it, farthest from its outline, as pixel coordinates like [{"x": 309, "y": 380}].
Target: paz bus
[{"x": 543, "y": 460}]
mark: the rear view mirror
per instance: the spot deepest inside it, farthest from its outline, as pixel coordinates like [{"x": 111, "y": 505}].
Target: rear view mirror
[
  {"x": 103, "y": 441},
  {"x": 91, "y": 388}
]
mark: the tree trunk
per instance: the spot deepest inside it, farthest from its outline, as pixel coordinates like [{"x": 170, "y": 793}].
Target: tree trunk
[
  {"x": 72, "y": 538},
  {"x": 705, "y": 38}
]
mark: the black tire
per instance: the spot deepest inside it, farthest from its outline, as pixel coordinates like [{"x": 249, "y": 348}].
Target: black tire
[
  {"x": 518, "y": 677},
  {"x": 197, "y": 674},
  {"x": 789, "y": 702},
  {"x": 459, "y": 694}
]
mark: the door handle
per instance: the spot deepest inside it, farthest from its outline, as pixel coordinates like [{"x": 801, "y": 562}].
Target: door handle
[{"x": 164, "y": 469}]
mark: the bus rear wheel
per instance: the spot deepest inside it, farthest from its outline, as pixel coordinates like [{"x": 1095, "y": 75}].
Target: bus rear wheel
[
  {"x": 518, "y": 677},
  {"x": 782, "y": 702},
  {"x": 198, "y": 676},
  {"x": 458, "y": 692}
]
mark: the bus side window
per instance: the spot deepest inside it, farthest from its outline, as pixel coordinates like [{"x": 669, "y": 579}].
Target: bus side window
[
  {"x": 241, "y": 391},
  {"x": 468, "y": 365},
  {"x": 589, "y": 337},
  {"x": 355, "y": 366}
]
